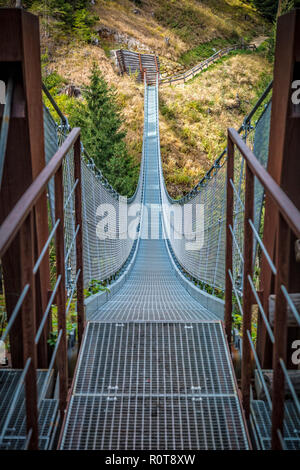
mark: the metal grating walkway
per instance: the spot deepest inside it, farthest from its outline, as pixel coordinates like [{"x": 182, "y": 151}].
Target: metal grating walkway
[
  {"x": 152, "y": 291},
  {"x": 154, "y": 386},
  {"x": 154, "y": 371},
  {"x": 15, "y": 436},
  {"x": 96, "y": 422},
  {"x": 261, "y": 423},
  {"x": 154, "y": 359}
]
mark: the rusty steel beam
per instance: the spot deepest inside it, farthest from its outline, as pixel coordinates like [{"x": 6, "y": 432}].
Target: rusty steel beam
[
  {"x": 79, "y": 241},
  {"x": 229, "y": 222},
  {"x": 29, "y": 328},
  {"x": 24, "y": 159},
  {"x": 62, "y": 360},
  {"x": 280, "y": 332},
  {"x": 247, "y": 291},
  {"x": 283, "y": 161}
]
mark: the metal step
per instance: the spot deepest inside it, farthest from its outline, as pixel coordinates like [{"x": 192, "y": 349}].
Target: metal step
[
  {"x": 167, "y": 422},
  {"x": 261, "y": 420},
  {"x": 15, "y": 435},
  {"x": 154, "y": 386}
]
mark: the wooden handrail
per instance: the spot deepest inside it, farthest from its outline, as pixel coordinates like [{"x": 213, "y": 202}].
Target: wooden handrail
[
  {"x": 286, "y": 207},
  {"x": 16, "y": 217},
  {"x": 199, "y": 66}
]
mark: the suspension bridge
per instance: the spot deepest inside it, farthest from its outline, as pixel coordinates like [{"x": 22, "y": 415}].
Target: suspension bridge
[{"x": 154, "y": 368}]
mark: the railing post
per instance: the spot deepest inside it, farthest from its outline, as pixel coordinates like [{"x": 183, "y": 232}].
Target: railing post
[
  {"x": 62, "y": 360},
  {"x": 280, "y": 332},
  {"x": 29, "y": 329},
  {"x": 141, "y": 67},
  {"x": 79, "y": 240},
  {"x": 156, "y": 64},
  {"x": 247, "y": 294},
  {"x": 229, "y": 222},
  {"x": 24, "y": 160},
  {"x": 283, "y": 163}
]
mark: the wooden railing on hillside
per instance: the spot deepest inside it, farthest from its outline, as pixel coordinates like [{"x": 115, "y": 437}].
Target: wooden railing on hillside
[
  {"x": 142, "y": 65},
  {"x": 205, "y": 63}
]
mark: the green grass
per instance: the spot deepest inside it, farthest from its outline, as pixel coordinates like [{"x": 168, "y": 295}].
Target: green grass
[
  {"x": 197, "y": 22},
  {"x": 221, "y": 60},
  {"x": 205, "y": 50}
]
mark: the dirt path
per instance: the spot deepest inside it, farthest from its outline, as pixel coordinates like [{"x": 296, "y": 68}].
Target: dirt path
[{"x": 259, "y": 40}]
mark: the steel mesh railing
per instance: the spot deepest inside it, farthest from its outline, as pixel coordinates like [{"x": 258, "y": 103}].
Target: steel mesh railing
[
  {"x": 103, "y": 254},
  {"x": 207, "y": 264}
]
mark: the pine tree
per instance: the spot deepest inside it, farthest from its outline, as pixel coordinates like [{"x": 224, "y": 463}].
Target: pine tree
[
  {"x": 102, "y": 134},
  {"x": 268, "y": 8}
]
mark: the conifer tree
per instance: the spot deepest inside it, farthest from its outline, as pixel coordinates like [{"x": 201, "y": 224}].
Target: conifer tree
[{"x": 102, "y": 133}]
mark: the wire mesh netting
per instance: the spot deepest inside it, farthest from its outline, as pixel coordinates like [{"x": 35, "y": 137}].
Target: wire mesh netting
[
  {"x": 207, "y": 263},
  {"x": 105, "y": 247},
  {"x": 104, "y": 256}
]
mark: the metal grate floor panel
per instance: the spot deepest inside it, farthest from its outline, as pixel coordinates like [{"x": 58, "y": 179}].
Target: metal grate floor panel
[
  {"x": 152, "y": 292},
  {"x": 153, "y": 359},
  {"x": 9, "y": 379},
  {"x": 47, "y": 414},
  {"x": 154, "y": 386},
  {"x": 16, "y": 430},
  {"x": 123, "y": 423},
  {"x": 262, "y": 423},
  {"x": 18, "y": 443}
]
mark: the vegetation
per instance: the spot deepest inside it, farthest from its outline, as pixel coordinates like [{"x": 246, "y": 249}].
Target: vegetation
[
  {"x": 192, "y": 134},
  {"x": 197, "y": 22},
  {"x": 102, "y": 128},
  {"x": 195, "y": 115},
  {"x": 65, "y": 17},
  {"x": 205, "y": 50},
  {"x": 102, "y": 134},
  {"x": 270, "y": 8}
]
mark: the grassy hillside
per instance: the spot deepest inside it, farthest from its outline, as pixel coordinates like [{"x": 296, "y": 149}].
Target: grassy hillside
[
  {"x": 187, "y": 23},
  {"x": 194, "y": 116}
]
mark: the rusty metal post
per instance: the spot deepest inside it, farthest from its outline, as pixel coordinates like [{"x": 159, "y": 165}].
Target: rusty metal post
[
  {"x": 62, "y": 360},
  {"x": 247, "y": 293},
  {"x": 156, "y": 64},
  {"x": 24, "y": 160},
  {"x": 79, "y": 241},
  {"x": 29, "y": 329},
  {"x": 141, "y": 67},
  {"x": 229, "y": 222},
  {"x": 280, "y": 332}
]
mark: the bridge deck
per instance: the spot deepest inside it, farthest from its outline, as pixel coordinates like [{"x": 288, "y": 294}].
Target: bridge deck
[
  {"x": 154, "y": 371},
  {"x": 154, "y": 386}
]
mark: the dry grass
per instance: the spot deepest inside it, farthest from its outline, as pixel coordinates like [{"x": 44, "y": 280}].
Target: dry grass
[
  {"x": 195, "y": 116},
  {"x": 118, "y": 15},
  {"x": 186, "y": 22},
  {"x": 74, "y": 64}
]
